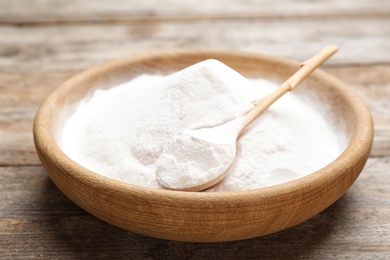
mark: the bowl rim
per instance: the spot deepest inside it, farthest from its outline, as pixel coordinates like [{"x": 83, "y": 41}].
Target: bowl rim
[{"x": 360, "y": 141}]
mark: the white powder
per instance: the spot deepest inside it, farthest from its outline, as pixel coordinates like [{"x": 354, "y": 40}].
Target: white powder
[
  {"x": 199, "y": 157},
  {"x": 122, "y": 131}
]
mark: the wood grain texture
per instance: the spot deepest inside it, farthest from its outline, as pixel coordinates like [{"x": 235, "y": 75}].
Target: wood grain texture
[
  {"x": 361, "y": 40},
  {"x": 372, "y": 83},
  {"x": 45, "y": 224},
  {"x": 44, "y": 11},
  {"x": 44, "y": 42},
  {"x": 20, "y": 96}
]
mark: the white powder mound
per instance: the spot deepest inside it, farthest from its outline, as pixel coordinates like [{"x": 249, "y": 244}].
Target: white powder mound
[
  {"x": 120, "y": 132},
  {"x": 197, "y": 158},
  {"x": 291, "y": 140}
]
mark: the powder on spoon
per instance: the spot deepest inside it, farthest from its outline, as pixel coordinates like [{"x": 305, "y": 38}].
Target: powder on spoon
[
  {"x": 121, "y": 132},
  {"x": 198, "y": 158}
]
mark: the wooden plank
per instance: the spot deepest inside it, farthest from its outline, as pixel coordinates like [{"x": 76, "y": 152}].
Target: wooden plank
[
  {"x": 45, "y": 41},
  {"x": 20, "y": 97},
  {"x": 27, "y": 48},
  {"x": 372, "y": 83},
  {"x": 21, "y": 94},
  {"x": 38, "y": 221},
  {"x": 39, "y": 11},
  {"x": 28, "y": 192}
]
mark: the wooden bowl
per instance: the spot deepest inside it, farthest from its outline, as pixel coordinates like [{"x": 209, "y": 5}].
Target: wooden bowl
[{"x": 190, "y": 216}]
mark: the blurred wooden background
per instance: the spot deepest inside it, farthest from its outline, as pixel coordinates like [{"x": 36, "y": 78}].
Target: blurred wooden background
[{"x": 43, "y": 42}]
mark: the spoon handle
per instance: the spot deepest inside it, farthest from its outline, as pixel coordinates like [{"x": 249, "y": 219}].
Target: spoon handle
[{"x": 307, "y": 67}]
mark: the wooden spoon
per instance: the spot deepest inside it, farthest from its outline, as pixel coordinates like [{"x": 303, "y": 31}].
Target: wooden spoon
[{"x": 195, "y": 160}]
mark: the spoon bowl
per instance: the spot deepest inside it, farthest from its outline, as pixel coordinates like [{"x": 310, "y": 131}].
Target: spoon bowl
[{"x": 195, "y": 160}]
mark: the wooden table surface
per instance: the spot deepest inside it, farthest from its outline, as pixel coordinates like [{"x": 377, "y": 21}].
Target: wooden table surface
[{"x": 44, "y": 42}]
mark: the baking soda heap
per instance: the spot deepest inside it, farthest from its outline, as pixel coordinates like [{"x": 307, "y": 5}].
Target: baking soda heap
[
  {"x": 199, "y": 158},
  {"x": 121, "y": 132}
]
